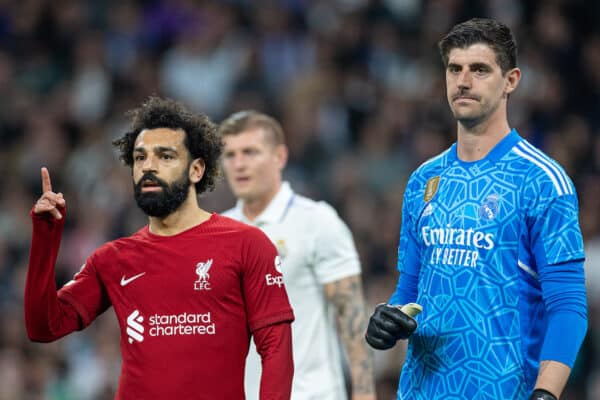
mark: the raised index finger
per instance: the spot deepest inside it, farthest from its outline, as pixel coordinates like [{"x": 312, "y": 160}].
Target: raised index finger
[{"x": 46, "y": 184}]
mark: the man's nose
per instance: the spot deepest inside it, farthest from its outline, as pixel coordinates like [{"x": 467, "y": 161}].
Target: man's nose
[
  {"x": 239, "y": 162},
  {"x": 464, "y": 79},
  {"x": 150, "y": 164}
]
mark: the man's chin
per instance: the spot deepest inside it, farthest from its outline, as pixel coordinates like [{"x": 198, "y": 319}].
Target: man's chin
[
  {"x": 461, "y": 113},
  {"x": 248, "y": 197},
  {"x": 240, "y": 193},
  {"x": 149, "y": 196}
]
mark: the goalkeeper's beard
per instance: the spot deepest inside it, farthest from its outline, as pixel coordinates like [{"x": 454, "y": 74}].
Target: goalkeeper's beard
[{"x": 164, "y": 202}]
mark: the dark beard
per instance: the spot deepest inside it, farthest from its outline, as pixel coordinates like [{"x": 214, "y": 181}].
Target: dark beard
[{"x": 164, "y": 202}]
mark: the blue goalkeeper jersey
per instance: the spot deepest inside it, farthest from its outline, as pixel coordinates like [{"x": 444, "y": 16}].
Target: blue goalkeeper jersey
[{"x": 478, "y": 235}]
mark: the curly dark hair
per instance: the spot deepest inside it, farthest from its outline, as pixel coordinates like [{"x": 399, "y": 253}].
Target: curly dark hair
[
  {"x": 482, "y": 30},
  {"x": 201, "y": 138}
]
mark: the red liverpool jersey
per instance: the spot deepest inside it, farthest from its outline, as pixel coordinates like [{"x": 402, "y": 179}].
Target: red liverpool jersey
[{"x": 186, "y": 305}]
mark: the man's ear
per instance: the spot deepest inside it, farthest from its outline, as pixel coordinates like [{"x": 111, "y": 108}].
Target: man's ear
[
  {"x": 281, "y": 152},
  {"x": 513, "y": 77},
  {"x": 196, "y": 170}
]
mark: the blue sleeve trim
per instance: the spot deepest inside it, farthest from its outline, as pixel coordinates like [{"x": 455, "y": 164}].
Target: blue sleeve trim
[
  {"x": 564, "y": 336},
  {"x": 563, "y": 291}
]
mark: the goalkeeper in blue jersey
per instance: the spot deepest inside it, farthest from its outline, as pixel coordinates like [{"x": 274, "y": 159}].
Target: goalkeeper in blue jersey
[{"x": 490, "y": 247}]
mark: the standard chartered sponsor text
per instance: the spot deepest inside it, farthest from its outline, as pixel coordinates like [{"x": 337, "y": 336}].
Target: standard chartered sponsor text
[{"x": 181, "y": 324}]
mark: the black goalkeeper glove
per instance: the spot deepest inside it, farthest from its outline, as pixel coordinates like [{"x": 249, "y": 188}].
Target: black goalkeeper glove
[
  {"x": 541, "y": 394},
  {"x": 387, "y": 325}
]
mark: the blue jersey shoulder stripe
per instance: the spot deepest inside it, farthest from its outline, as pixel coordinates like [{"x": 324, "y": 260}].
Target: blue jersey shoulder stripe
[
  {"x": 548, "y": 168},
  {"x": 543, "y": 167},
  {"x": 552, "y": 164}
]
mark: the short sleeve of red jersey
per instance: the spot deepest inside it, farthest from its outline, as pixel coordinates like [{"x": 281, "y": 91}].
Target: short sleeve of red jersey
[
  {"x": 262, "y": 283},
  {"x": 86, "y": 293}
]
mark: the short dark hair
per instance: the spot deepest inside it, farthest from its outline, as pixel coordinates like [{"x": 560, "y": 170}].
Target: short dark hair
[
  {"x": 201, "y": 138},
  {"x": 249, "y": 119},
  {"x": 482, "y": 30}
]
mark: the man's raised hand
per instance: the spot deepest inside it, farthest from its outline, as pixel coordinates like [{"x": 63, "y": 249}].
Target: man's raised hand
[{"x": 50, "y": 201}]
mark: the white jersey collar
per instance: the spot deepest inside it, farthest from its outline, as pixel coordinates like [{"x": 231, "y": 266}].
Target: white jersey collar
[{"x": 276, "y": 209}]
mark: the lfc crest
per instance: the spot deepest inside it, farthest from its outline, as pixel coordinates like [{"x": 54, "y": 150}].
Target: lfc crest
[{"x": 202, "y": 271}]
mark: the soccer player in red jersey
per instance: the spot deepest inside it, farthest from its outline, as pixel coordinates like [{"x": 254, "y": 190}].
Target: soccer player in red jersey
[{"x": 189, "y": 289}]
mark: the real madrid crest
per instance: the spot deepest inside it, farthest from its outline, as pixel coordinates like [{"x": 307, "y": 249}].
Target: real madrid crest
[
  {"x": 431, "y": 188},
  {"x": 281, "y": 248},
  {"x": 489, "y": 209}
]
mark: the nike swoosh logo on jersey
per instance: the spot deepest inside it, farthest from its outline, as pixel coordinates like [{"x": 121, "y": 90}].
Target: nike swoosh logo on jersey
[{"x": 129, "y": 280}]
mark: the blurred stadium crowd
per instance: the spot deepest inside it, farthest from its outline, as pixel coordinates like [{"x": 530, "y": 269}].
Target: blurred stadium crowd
[{"x": 357, "y": 84}]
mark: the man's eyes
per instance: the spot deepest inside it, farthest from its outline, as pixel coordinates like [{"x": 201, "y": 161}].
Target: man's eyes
[
  {"x": 141, "y": 157},
  {"x": 477, "y": 69},
  {"x": 245, "y": 152}
]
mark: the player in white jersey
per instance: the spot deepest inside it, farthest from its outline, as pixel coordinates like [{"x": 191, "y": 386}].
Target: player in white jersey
[{"x": 320, "y": 264}]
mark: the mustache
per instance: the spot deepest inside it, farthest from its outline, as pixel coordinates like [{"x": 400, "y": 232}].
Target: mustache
[
  {"x": 465, "y": 94},
  {"x": 152, "y": 178}
]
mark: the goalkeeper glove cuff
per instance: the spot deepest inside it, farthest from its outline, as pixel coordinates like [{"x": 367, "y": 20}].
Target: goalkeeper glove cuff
[{"x": 541, "y": 394}]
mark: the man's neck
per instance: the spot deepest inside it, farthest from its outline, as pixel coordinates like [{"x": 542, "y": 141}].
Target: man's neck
[
  {"x": 475, "y": 142},
  {"x": 252, "y": 208},
  {"x": 185, "y": 217}
]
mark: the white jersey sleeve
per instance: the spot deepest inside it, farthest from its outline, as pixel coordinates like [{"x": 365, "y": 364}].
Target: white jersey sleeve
[{"x": 335, "y": 255}]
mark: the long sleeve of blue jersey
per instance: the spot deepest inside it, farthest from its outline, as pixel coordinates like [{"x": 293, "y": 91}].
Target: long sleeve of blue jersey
[
  {"x": 408, "y": 252},
  {"x": 557, "y": 250},
  {"x": 563, "y": 291}
]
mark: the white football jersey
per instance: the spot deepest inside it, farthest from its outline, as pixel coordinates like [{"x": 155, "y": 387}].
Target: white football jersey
[{"x": 316, "y": 247}]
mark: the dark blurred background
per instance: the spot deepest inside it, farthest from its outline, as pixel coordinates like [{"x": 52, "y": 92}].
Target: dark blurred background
[{"x": 357, "y": 84}]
